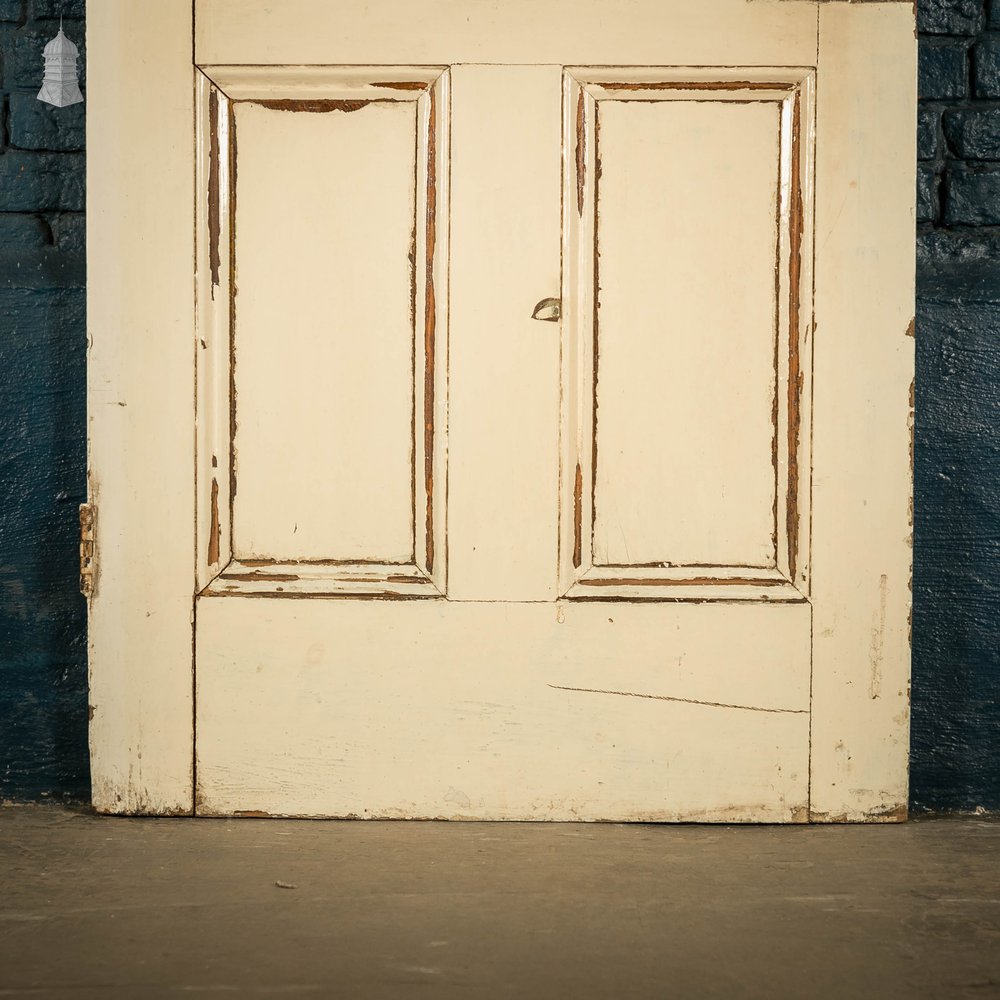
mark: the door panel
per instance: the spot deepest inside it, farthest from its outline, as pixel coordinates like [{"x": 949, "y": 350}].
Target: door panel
[
  {"x": 464, "y": 710},
  {"x": 687, "y": 332},
  {"x": 695, "y": 184},
  {"x": 323, "y": 330},
  {"x": 323, "y": 229}
]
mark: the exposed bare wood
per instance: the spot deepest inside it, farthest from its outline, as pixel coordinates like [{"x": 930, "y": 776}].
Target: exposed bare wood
[
  {"x": 430, "y": 330},
  {"x": 213, "y": 188}
]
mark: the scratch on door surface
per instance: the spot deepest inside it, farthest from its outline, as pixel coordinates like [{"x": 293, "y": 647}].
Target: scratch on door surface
[{"x": 878, "y": 641}]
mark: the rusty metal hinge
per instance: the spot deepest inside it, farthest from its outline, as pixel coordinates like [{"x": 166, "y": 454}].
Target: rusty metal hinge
[{"x": 88, "y": 550}]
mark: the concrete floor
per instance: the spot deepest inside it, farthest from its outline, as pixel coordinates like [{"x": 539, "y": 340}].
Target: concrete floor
[{"x": 97, "y": 907}]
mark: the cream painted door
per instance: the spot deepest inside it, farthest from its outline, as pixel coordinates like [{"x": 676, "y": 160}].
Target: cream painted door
[{"x": 528, "y": 437}]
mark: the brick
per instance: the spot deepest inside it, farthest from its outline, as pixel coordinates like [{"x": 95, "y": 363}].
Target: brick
[
  {"x": 11, "y": 10},
  {"x": 40, "y": 182},
  {"x": 26, "y": 66},
  {"x": 36, "y": 125},
  {"x": 973, "y": 133},
  {"x": 950, "y": 17},
  {"x": 986, "y": 63},
  {"x": 55, "y": 9},
  {"x": 928, "y": 133},
  {"x": 958, "y": 264},
  {"x": 69, "y": 231},
  {"x": 943, "y": 71},
  {"x": 972, "y": 197},
  {"x": 927, "y": 193},
  {"x": 940, "y": 249},
  {"x": 958, "y": 354},
  {"x": 22, "y": 232},
  {"x": 43, "y": 268}
]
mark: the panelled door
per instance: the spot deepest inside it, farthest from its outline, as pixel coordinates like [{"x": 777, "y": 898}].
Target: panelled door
[{"x": 501, "y": 411}]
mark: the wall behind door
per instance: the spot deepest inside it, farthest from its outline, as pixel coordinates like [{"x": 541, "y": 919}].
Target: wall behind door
[
  {"x": 43, "y": 676},
  {"x": 956, "y": 619},
  {"x": 956, "y": 616}
]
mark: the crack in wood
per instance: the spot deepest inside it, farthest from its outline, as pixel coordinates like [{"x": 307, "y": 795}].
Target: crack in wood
[{"x": 686, "y": 701}]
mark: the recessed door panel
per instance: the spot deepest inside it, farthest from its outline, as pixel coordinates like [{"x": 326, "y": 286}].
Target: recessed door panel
[
  {"x": 686, "y": 377},
  {"x": 686, "y": 330},
  {"x": 325, "y": 213},
  {"x": 323, "y": 338}
]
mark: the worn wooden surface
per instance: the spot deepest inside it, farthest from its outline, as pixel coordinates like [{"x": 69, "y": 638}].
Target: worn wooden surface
[
  {"x": 863, "y": 358},
  {"x": 564, "y": 32},
  {"x": 504, "y": 365},
  {"x": 586, "y": 711},
  {"x": 92, "y": 908},
  {"x": 661, "y": 484},
  {"x": 140, "y": 313}
]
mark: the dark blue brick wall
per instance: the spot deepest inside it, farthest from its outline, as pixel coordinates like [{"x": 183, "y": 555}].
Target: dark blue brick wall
[
  {"x": 955, "y": 760},
  {"x": 956, "y": 618},
  {"x": 43, "y": 675}
]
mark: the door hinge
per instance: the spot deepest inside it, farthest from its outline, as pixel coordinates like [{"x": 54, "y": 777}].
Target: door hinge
[{"x": 88, "y": 550}]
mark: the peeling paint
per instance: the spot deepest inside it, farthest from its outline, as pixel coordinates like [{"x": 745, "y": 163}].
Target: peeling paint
[
  {"x": 430, "y": 319},
  {"x": 88, "y": 549},
  {"x": 578, "y": 517},
  {"x": 795, "y": 375},
  {"x": 214, "y": 531},
  {"x": 320, "y": 107},
  {"x": 721, "y": 581},
  {"x": 581, "y": 153},
  {"x": 400, "y": 84},
  {"x": 261, "y": 577},
  {"x": 696, "y": 85},
  {"x": 214, "y": 213},
  {"x": 883, "y": 814}
]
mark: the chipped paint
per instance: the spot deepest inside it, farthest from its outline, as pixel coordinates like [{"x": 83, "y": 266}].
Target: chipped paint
[
  {"x": 88, "y": 549},
  {"x": 214, "y": 212},
  {"x": 898, "y": 813},
  {"x": 578, "y": 517},
  {"x": 696, "y": 85},
  {"x": 581, "y": 153},
  {"x": 400, "y": 84},
  {"x": 722, "y": 581},
  {"x": 320, "y": 107},
  {"x": 430, "y": 320},
  {"x": 214, "y": 532},
  {"x": 795, "y": 375},
  {"x": 259, "y": 577},
  {"x": 233, "y": 289}
]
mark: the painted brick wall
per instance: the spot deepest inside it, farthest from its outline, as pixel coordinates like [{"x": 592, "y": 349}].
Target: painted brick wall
[
  {"x": 43, "y": 699},
  {"x": 956, "y": 621},
  {"x": 955, "y": 762}
]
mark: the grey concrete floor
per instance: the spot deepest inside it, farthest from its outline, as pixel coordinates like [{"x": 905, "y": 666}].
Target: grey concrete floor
[{"x": 103, "y": 907}]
